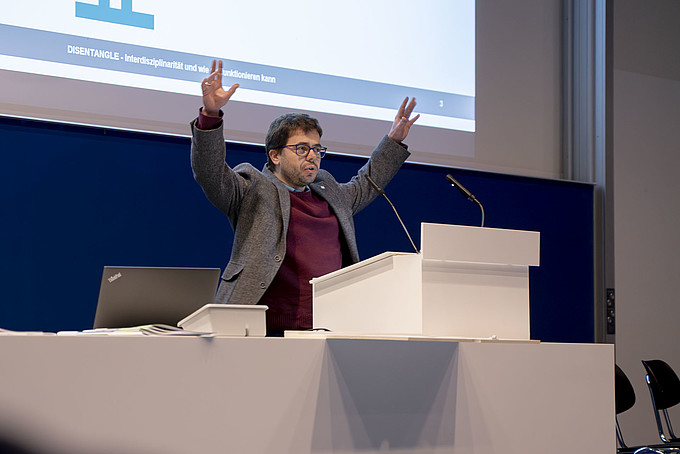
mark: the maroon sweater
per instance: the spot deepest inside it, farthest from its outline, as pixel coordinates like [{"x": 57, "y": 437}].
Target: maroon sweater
[{"x": 312, "y": 250}]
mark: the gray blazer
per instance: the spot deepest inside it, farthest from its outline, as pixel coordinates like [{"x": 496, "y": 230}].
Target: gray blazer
[{"x": 258, "y": 207}]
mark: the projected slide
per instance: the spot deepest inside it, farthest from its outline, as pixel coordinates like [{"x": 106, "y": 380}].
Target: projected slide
[{"x": 349, "y": 57}]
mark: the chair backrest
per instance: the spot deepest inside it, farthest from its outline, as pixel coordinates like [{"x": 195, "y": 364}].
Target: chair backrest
[
  {"x": 623, "y": 390},
  {"x": 663, "y": 383}
]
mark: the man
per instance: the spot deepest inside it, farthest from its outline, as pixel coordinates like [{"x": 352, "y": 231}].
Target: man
[{"x": 292, "y": 221}]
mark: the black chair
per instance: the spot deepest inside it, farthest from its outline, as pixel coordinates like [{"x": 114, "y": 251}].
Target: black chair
[
  {"x": 664, "y": 388},
  {"x": 624, "y": 400}
]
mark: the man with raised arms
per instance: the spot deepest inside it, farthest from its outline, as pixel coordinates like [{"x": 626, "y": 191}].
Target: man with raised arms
[{"x": 292, "y": 220}]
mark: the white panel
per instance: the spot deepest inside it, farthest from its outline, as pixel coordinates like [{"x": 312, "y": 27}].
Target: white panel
[
  {"x": 568, "y": 389},
  {"x": 479, "y": 244},
  {"x": 477, "y": 302},
  {"x": 380, "y": 296}
]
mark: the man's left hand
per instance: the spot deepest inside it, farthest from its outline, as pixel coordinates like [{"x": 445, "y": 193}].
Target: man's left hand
[{"x": 402, "y": 122}]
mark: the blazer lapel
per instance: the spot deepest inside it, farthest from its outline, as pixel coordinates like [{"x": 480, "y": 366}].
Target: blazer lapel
[{"x": 284, "y": 197}]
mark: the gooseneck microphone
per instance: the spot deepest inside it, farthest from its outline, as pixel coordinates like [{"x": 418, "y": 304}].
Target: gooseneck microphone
[
  {"x": 382, "y": 193},
  {"x": 461, "y": 188},
  {"x": 468, "y": 195}
]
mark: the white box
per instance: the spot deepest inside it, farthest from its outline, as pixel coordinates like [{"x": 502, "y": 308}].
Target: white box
[{"x": 238, "y": 320}]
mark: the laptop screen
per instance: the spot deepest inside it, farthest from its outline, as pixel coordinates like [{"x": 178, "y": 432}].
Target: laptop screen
[{"x": 133, "y": 296}]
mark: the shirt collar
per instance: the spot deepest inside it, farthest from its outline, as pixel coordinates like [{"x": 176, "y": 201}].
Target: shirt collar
[{"x": 292, "y": 189}]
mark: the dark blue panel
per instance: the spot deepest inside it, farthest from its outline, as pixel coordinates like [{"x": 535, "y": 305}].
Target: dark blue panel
[{"x": 75, "y": 199}]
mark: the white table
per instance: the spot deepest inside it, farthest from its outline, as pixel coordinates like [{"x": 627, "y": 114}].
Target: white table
[{"x": 80, "y": 394}]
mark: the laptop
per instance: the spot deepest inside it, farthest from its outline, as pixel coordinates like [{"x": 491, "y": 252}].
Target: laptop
[{"x": 133, "y": 296}]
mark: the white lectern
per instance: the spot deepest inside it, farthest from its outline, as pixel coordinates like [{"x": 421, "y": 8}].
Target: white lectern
[{"x": 469, "y": 282}]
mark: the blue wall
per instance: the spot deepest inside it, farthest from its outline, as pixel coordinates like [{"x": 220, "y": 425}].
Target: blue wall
[{"x": 76, "y": 198}]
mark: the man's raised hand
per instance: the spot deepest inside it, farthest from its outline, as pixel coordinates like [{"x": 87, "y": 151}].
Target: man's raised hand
[
  {"x": 402, "y": 121},
  {"x": 214, "y": 96}
]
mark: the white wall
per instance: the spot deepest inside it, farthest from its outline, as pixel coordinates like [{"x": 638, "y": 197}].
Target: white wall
[{"x": 646, "y": 148}]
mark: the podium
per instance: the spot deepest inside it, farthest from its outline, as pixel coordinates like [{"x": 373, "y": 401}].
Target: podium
[{"x": 467, "y": 282}]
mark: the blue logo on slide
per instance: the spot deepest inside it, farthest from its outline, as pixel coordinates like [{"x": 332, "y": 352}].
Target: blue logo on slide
[{"x": 124, "y": 15}]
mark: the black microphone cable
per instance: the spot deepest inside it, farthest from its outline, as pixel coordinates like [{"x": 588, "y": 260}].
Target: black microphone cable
[{"x": 382, "y": 193}]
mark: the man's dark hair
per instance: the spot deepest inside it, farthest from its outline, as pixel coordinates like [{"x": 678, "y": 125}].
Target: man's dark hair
[{"x": 282, "y": 127}]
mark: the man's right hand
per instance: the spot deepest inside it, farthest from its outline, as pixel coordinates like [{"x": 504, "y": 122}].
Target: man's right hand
[{"x": 214, "y": 96}]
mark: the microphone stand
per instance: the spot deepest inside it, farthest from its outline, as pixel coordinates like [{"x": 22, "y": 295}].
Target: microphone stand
[{"x": 468, "y": 195}]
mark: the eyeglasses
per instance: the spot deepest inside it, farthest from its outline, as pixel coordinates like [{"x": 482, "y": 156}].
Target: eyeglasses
[{"x": 303, "y": 150}]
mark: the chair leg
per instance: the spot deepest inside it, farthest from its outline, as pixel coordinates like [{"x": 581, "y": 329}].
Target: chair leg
[
  {"x": 619, "y": 435},
  {"x": 668, "y": 424},
  {"x": 656, "y": 411}
]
